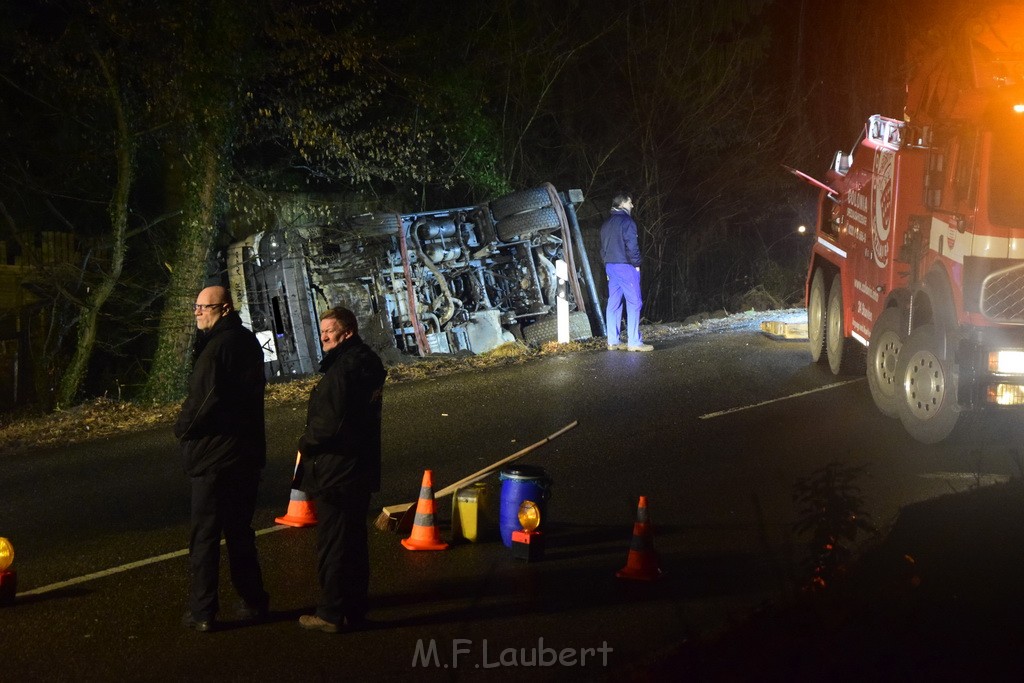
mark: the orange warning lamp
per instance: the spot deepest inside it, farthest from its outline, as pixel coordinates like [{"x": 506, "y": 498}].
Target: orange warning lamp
[
  {"x": 528, "y": 544},
  {"x": 8, "y": 578},
  {"x": 6, "y": 554},
  {"x": 529, "y": 515}
]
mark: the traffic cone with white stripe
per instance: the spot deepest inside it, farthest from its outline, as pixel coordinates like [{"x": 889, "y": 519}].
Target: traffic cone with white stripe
[
  {"x": 424, "y": 530},
  {"x": 301, "y": 509},
  {"x": 642, "y": 563}
]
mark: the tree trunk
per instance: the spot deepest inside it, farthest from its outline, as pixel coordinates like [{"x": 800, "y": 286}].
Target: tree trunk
[
  {"x": 171, "y": 363},
  {"x": 73, "y": 377}
]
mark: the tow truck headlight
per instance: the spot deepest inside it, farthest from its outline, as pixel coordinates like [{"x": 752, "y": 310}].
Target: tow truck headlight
[
  {"x": 1006, "y": 394},
  {"x": 1006, "y": 362}
]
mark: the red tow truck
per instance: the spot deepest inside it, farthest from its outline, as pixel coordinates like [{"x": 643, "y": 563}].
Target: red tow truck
[{"x": 919, "y": 251}]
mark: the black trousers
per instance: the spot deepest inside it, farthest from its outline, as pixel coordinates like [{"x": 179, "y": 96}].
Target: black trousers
[
  {"x": 343, "y": 556},
  {"x": 224, "y": 503}
]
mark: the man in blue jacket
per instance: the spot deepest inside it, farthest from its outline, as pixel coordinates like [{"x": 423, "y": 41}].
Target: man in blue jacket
[
  {"x": 340, "y": 450},
  {"x": 620, "y": 251},
  {"x": 223, "y": 441}
]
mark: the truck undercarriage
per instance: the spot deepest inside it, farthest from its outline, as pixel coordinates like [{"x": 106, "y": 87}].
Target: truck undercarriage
[{"x": 462, "y": 280}]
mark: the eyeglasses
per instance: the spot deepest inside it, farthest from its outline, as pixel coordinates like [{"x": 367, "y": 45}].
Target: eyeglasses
[{"x": 199, "y": 307}]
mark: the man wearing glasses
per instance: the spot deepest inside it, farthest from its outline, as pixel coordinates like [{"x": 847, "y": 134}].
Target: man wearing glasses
[{"x": 223, "y": 441}]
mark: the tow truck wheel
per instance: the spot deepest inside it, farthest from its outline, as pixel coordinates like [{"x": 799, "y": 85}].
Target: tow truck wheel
[
  {"x": 816, "y": 317},
  {"x": 927, "y": 384},
  {"x": 844, "y": 354},
  {"x": 883, "y": 356}
]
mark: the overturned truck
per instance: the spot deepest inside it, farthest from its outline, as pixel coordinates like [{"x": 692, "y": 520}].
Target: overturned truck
[{"x": 438, "y": 282}]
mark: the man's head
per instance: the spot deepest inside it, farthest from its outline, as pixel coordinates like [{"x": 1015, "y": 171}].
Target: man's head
[
  {"x": 337, "y": 325},
  {"x": 212, "y": 304},
  {"x": 623, "y": 201}
]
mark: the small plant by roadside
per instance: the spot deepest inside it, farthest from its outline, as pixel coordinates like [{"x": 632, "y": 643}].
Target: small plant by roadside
[{"x": 831, "y": 512}]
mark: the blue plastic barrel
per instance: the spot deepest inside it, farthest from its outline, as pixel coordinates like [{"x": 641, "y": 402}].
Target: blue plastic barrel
[{"x": 519, "y": 483}]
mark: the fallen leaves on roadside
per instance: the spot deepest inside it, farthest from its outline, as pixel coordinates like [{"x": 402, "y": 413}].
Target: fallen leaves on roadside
[{"x": 104, "y": 416}]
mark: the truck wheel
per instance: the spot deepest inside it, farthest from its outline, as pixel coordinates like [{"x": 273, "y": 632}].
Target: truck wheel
[
  {"x": 522, "y": 225},
  {"x": 546, "y": 328},
  {"x": 844, "y": 356},
  {"x": 816, "y": 317},
  {"x": 520, "y": 202},
  {"x": 375, "y": 224},
  {"x": 882, "y": 359},
  {"x": 927, "y": 387}
]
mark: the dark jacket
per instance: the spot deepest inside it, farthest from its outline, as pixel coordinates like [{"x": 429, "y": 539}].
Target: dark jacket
[
  {"x": 221, "y": 424},
  {"x": 340, "y": 446},
  {"x": 619, "y": 242}
]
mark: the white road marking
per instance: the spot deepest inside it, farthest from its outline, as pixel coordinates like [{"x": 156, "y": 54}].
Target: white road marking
[
  {"x": 708, "y": 416},
  {"x": 126, "y": 567}
]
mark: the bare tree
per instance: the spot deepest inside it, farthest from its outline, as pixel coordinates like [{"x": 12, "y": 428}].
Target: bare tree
[{"x": 124, "y": 153}]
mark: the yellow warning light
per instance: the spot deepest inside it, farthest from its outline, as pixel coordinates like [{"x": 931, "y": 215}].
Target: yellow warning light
[
  {"x": 529, "y": 515},
  {"x": 1006, "y": 394},
  {"x": 1018, "y": 108},
  {"x": 6, "y": 554},
  {"x": 1006, "y": 362}
]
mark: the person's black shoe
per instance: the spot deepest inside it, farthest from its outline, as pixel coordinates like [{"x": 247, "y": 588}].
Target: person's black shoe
[
  {"x": 248, "y": 613},
  {"x": 201, "y": 625}
]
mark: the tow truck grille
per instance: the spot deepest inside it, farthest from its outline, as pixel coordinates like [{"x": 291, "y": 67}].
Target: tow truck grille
[{"x": 1002, "y": 295}]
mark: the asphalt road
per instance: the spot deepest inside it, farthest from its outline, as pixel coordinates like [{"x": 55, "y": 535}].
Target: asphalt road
[{"x": 713, "y": 429}]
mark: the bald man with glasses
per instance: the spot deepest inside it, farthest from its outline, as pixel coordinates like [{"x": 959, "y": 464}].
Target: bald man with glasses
[{"x": 223, "y": 441}]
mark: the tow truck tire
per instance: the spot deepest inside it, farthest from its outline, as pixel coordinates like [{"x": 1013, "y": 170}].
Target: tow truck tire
[
  {"x": 816, "y": 317},
  {"x": 927, "y": 386},
  {"x": 520, "y": 202},
  {"x": 845, "y": 355},
  {"x": 522, "y": 225},
  {"x": 882, "y": 360}
]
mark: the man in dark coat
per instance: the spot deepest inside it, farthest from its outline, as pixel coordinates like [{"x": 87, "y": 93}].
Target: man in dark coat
[
  {"x": 223, "y": 441},
  {"x": 340, "y": 450},
  {"x": 620, "y": 251}
]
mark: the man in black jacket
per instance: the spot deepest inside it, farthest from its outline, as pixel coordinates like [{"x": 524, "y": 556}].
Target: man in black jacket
[
  {"x": 223, "y": 441},
  {"x": 340, "y": 450}
]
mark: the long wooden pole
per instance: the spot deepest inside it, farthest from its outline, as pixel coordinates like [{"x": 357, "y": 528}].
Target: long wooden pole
[{"x": 391, "y": 511}]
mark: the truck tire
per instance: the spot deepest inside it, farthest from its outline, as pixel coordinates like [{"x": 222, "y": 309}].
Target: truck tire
[
  {"x": 882, "y": 360},
  {"x": 927, "y": 386},
  {"x": 816, "y": 317},
  {"x": 373, "y": 225},
  {"x": 546, "y": 328},
  {"x": 520, "y": 202},
  {"x": 845, "y": 356},
  {"x": 522, "y": 225}
]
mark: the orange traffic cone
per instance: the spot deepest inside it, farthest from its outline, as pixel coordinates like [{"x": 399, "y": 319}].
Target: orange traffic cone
[
  {"x": 642, "y": 564},
  {"x": 301, "y": 510},
  {"x": 424, "y": 531}
]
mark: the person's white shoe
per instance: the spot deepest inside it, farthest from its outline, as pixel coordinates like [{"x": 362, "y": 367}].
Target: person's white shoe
[{"x": 641, "y": 347}]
